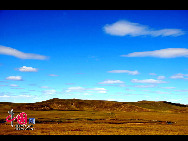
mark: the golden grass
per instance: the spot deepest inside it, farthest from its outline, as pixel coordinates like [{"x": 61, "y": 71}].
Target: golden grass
[{"x": 100, "y": 123}]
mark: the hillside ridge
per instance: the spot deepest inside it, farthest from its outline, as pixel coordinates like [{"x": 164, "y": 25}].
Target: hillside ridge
[{"x": 96, "y": 105}]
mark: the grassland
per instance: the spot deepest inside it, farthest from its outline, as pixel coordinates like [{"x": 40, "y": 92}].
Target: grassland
[{"x": 170, "y": 120}]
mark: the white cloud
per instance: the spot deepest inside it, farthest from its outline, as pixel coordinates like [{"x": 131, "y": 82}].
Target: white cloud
[
  {"x": 24, "y": 96},
  {"x": 49, "y": 91},
  {"x": 153, "y": 81},
  {"x": 109, "y": 81},
  {"x": 53, "y": 75},
  {"x": 88, "y": 90},
  {"x": 16, "y": 78},
  {"x": 124, "y": 71},
  {"x": 174, "y": 100},
  {"x": 185, "y": 90},
  {"x": 178, "y": 76},
  {"x": 161, "y": 77},
  {"x": 162, "y": 53},
  {"x": 123, "y": 28},
  {"x": 121, "y": 85},
  {"x": 162, "y": 92},
  {"x": 75, "y": 89},
  {"x": 101, "y": 92},
  {"x": 98, "y": 90},
  {"x": 4, "y": 96},
  {"x": 13, "y": 85},
  {"x": 16, "y": 53},
  {"x": 145, "y": 86},
  {"x": 111, "y": 99},
  {"x": 168, "y": 87},
  {"x": 27, "y": 69},
  {"x": 16, "y": 96}
]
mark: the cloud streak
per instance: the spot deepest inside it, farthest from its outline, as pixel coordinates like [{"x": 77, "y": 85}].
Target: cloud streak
[
  {"x": 162, "y": 53},
  {"x": 27, "y": 69},
  {"x": 15, "y": 78},
  {"x": 161, "y": 77},
  {"x": 179, "y": 76},
  {"x": 88, "y": 90},
  {"x": 152, "y": 81},
  {"x": 13, "y": 85},
  {"x": 18, "y": 54},
  {"x": 53, "y": 75},
  {"x": 124, "y": 28},
  {"x": 109, "y": 81},
  {"x": 49, "y": 92},
  {"x": 124, "y": 71}
]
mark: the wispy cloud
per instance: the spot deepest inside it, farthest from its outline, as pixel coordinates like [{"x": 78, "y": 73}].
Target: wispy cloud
[
  {"x": 53, "y": 75},
  {"x": 179, "y": 76},
  {"x": 16, "y": 53},
  {"x": 145, "y": 86},
  {"x": 13, "y": 85},
  {"x": 27, "y": 69},
  {"x": 75, "y": 89},
  {"x": 124, "y": 71},
  {"x": 161, "y": 77},
  {"x": 49, "y": 92},
  {"x": 86, "y": 90},
  {"x": 16, "y": 96},
  {"x": 16, "y": 78},
  {"x": 4, "y": 96},
  {"x": 162, "y": 53},
  {"x": 168, "y": 87},
  {"x": 152, "y": 81},
  {"x": 124, "y": 28},
  {"x": 109, "y": 81},
  {"x": 161, "y": 92},
  {"x": 185, "y": 90},
  {"x": 98, "y": 90}
]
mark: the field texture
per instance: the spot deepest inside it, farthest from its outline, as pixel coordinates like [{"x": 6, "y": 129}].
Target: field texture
[{"x": 149, "y": 118}]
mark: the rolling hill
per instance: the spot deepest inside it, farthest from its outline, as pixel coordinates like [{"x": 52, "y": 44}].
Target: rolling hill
[{"x": 95, "y": 105}]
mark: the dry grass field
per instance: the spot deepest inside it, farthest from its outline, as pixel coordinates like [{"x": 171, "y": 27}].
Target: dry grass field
[{"x": 171, "y": 120}]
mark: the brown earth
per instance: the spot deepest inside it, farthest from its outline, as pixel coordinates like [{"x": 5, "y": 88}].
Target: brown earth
[{"x": 96, "y": 117}]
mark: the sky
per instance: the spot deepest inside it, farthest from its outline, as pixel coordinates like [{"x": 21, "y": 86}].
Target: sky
[{"x": 114, "y": 55}]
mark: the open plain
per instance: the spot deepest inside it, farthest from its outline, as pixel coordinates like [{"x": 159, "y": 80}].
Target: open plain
[{"x": 96, "y": 117}]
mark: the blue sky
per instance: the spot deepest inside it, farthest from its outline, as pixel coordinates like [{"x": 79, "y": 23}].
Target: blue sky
[{"x": 117, "y": 55}]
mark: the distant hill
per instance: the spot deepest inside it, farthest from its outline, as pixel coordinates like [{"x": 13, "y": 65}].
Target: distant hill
[
  {"x": 96, "y": 105},
  {"x": 161, "y": 106}
]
